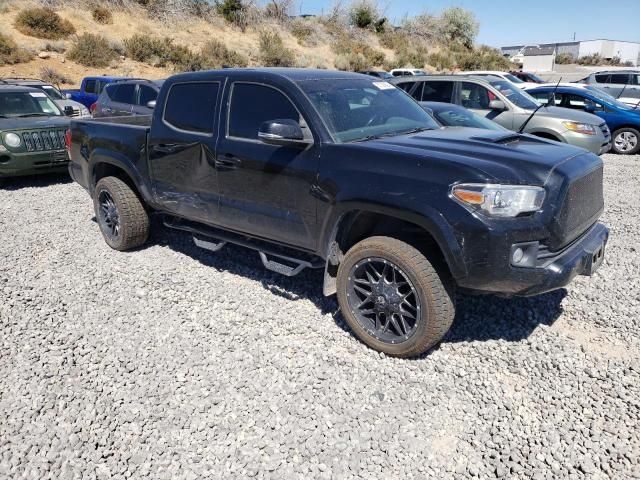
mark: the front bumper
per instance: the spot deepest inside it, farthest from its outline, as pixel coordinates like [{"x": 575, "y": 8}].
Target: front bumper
[
  {"x": 598, "y": 144},
  {"x": 555, "y": 270},
  {"x": 30, "y": 163}
]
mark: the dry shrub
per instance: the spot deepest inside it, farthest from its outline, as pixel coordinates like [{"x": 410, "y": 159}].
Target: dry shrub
[
  {"x": 354, "y": 62},
  {"x": 92, "y": 51},
  {"x": 54, "y": 77},
  {"x": 161, "y": 52},
  {"x": 302, "y": 30},
  {"x": 216, "y": 55},
  {"x": 347, "y": 47},
  {"x": 102, "y": 15},
  {"x": 273, "y": 52},
  {"x": 10, "y": 53},
  {"x": 43, "y": 23}
]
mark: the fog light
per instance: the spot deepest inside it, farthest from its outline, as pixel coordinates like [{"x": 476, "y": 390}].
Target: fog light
[{"x": 517, "y": 255}]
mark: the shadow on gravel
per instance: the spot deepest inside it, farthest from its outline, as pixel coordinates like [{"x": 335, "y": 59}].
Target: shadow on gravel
[
  {"x": 34, "y": 181},
  {"x": 478, "y": 318}
]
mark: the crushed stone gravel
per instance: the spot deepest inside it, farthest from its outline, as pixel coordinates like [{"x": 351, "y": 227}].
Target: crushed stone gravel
[{"x": 171, "y": 362}]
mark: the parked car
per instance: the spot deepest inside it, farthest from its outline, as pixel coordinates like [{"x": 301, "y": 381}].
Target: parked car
[
  {"x": 339, "y": 171},
  {"x": 68, "y": 107},
  {"x": 450, "y": 115},
  {"x": 400, "y": 72},
  {"x": 90, "y": 89},
  {"x": 622, "y": 119},
  {"x": 32, "y": 130},
  {"x": 502, "y": 102},
  {"x": 377, "y": 73},
  {"x": 127, "y": 97},
  {"x": 509, "y": 77},
  {"x": 527, "y": 77},
  {"x": 621, "y": 84}
]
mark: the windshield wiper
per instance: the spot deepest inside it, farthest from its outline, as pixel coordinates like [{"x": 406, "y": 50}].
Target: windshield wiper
[
  {"x": 393, "y": 134},
  {"x": 416, "y": 130},
  {"x": 39, "y": 114}
]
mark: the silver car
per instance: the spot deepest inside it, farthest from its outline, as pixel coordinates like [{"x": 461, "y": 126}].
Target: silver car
[
  {"x": 69, "y": 107},
  {"x": 621, "y": 84},
  {"x": 507, "y": 105}
]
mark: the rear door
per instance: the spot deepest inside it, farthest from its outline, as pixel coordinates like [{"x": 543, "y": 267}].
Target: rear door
[
  {"x": 265, "y": 189},
  {"x": 616, "y": 84},
  {"x": 182, "y": 147},
  {"x": 122, "y": 97},
  {"x": 436, "y": 91}
]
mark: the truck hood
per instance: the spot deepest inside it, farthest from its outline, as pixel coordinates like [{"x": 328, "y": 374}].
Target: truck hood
[
  {"x": 33, "y": 123},
  {"x": 70, "y": 103},
  {"x": 499, "y": 156}
]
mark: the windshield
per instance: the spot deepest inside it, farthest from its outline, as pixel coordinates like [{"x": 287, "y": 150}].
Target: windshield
[
  {"x": 604, "y": 97},
  {"x": 461, "y": 117},
  {"x": 514, "y": 94},
  {"x": 512, "y": 78},
  {"x": 27, "y": 104},
  {"x": 50, "y": 90},
  {"x": 534, "y": 78},
  {"x": 360, "y": 109}
]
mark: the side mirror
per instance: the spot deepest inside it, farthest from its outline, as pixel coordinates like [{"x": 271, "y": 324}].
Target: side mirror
[
  {"x": 284, "y": 132},
  {"x": 497, "y": 105},
  {"x": 151, "y": 104},
  {"x": 67, "y": 96},
  {"x": 68, "y": 111}
]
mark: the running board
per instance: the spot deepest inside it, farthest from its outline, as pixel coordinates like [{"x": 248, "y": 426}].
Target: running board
[{"x": 273, "y": 256}]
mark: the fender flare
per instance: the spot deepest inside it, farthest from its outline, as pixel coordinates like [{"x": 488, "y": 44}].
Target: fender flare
[{"x": 100, "y": 156}]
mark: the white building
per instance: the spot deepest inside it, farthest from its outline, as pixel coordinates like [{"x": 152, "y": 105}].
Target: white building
[{"x": 626, "y": 51}]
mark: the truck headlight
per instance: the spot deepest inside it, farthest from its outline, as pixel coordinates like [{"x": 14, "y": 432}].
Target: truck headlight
[
  {"x": 585, "y": 128},
  {"x": 12, "y": 140},
  {"x": 499, "y": 200}
]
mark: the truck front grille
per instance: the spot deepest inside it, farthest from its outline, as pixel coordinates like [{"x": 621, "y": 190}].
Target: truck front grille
[
  {"x": 43, "y": 140},
  {"x": 582, "y": 204}
]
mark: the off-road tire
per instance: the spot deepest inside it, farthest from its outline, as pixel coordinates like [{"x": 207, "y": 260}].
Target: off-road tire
[
  {"x": 631, "y": 151},
  {"x": 133, "y": 218},
  {"x": 434, "y": 290}
]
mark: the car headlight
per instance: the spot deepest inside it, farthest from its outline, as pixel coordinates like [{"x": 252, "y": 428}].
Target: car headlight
[
  {"x": 12, "y": 140},
  {"x": 499, "y": 200},
  {"x": 578, "y": 127}
]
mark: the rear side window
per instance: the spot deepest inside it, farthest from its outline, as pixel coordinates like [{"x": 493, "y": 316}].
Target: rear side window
[
  {"x": 123, "y": 93},
  {"x": 406, "y": 86},
  {"x": 252, "y": 104},
  {"x": 620, "y": 78},
  {"x": 90, "y": 86},
  {"x": 146, "y": 95},
  {"x": 192, "y": 106},
  {"x": 437, "y": 92}
]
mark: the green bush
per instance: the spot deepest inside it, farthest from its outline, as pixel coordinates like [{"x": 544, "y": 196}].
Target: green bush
[
  {"x": 232, "y": 11},
  {"x": 91, "y": 51},
  {"x": 43, "y": 23},
  {"x": 565, "y": 59},
  {"x": 354, "y": 62},
  {"x": 215, "y": 54},
  {"x": 363, "y": 14},
  {"x": 458, "y": 25},
  {"x": 102, "y": 15},
  {"x": 10, "y": 54},
  {"x": 273, "y": 52}
]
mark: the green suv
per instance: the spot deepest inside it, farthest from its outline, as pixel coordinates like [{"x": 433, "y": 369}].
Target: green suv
[{"x": 32, "y": 130}]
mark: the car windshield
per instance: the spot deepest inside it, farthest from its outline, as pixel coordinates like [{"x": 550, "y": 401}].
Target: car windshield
[
  {"x": 461, "y": 117},
  {"x": 27, "y": 104},
  {"x": 512, "y": 78},
  {"x": 50, "y": 90},
  {"x": 604, "y": 97},
  {"x": 515, "y": 95},
  {"x": 362, "y": 109},
  {"x": 534, "y": 78}
]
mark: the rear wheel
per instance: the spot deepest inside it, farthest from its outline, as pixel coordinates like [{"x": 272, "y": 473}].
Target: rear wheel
[
  {"x": 626, "y": 141},
  {"x": 123, "y": 221},
  {"x": 392, "y": 297}
]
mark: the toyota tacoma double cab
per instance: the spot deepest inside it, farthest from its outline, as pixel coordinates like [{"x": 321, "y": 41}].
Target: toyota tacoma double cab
[{"x": 344, "y": 172}]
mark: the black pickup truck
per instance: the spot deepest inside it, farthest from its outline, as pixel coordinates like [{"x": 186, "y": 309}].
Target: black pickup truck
[{"x": 341, "y": 171}]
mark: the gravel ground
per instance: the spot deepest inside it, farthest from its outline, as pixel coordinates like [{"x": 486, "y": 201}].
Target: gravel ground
[{"x": 170, "y": 362}]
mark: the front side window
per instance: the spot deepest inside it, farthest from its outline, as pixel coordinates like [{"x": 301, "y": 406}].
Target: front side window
[
  {"x": 513, "y": 78},
  {"x": 437, "y": 92},
  {"x": 475, "y": 96},
  {"x": 514, "y": 94},
  {"x": 383, "y": 110},
  {"x": 27, "y": 104},
  {"x": 251, "y": 105},
  {"x": 192, "y": 106},
  {"x": 146, "y": 94}
]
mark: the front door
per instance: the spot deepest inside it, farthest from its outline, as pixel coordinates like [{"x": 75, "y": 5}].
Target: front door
[
  {"x": 265, "y": 189},
  {"x": 477, "y": 98},
  {"x": 182, "y": 151}
]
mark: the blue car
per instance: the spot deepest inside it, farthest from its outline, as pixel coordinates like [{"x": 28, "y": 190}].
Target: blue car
[
  {"x": 90, "y": 89},
  {"x": 623, "y": 120}
]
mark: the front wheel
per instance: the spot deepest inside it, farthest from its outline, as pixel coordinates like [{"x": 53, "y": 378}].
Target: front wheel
[
  {"x": 392, "y": 297},
  {"x": 626, "y": 141},
  {"x": 123, "y": 221}
]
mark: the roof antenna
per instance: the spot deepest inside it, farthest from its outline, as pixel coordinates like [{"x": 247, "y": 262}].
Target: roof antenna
[{"x": 551, "y": 97}]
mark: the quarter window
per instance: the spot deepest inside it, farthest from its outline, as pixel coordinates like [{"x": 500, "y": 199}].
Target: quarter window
[
  {"x": 251, "y": 105},
  {"x": 192, "y": 106}
]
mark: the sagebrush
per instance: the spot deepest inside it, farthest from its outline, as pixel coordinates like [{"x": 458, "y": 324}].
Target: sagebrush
[
  {"x": 10, "y": 53},
  {"x": 102, "y": 15},
  {"x": 43, "y": 23},
  {"x": 273, "y": 52},
  {"x": 92, "y": 50}
]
